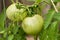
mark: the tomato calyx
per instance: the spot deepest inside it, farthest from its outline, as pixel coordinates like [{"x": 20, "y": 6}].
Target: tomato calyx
[
  {"x": 33, "y": 9},
  {"x": 19, "y": 5}
]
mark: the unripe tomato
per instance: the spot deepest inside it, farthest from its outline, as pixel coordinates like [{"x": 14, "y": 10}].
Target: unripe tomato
[
  {"x": 32, "y": 25},
  {"x": 15, "y": 14}
]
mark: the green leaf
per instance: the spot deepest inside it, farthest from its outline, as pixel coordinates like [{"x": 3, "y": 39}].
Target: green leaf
[
  {"x": 1, "y": 32},
  {"x": 5, "y": 34},
  {"x": 10, "y": 37},
  {"x": 13, "y": 28},
  {"x": 57, "y": 16},
  {"x": 50, "y": 33},
  {"x": 2, "y": 20},
  {"x": 16, "y": 32},
  {"x": 53, "y": 31},
  {"x": 48, "y": 18},
  {"x": 43, "y": 35},
  {"x": 2, "y": 38},
  {"x": 20, "y": 35}
]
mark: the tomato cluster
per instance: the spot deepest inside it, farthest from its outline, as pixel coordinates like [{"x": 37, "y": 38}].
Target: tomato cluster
[{"x": 30, "y": 24}]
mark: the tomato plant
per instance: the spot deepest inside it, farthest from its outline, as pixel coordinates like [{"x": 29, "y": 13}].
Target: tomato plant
[{"x": 40, "y": 20}]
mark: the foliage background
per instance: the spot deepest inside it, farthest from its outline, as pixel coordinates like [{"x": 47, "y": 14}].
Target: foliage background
[{"x": 44, "y": 8}]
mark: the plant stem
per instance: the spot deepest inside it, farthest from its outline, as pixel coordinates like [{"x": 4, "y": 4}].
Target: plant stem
[
  {"x": 4, "y": 6},
  {"x": 54, "y": 6},
  {"x": 12, "y": 1},
  {"x": 4, "y": 10}
]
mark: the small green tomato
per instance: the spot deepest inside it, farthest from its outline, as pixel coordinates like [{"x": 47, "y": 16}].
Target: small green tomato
[
  {"x": 32, "y": 25},
  {"x": 15, "y": 14}
]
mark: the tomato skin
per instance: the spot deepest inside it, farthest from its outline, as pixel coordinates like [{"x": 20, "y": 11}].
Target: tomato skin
[
  {"x": 32, "y": 25},
  {"x": 15, "y": 14}
]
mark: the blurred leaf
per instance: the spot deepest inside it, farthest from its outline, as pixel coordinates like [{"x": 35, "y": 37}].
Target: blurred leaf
[
  {"x": 5, "y": 34},
  {"x": 20, "y": 35},
  {"x": 12, "y": 30},
  {"x": 57, "y": 16},
  {"x": 16, "y": 32},
  {"x": 10, "y": 37},
  {"x": 50, "y": 33},
  {"x": 2, "y": 38},
  {"x": 43, "y": 35},
  {"x": 2, "y": 20},
  {"x": 53, "y": 31},
  {"x": 56, "y": 0},
  {"x": 48, "y": 18},
  {"x": 21, "y": 31},
  {"x": 58, "y": 36},
  {"x": 1, "y": 32},
  {"x": 13, "y": 27},
  {"x": 37, "y": 1}
]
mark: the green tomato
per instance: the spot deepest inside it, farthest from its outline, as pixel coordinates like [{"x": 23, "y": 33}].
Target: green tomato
[
  {"x": 32, "y": 25},
  {"x": 15, "y": 14}
]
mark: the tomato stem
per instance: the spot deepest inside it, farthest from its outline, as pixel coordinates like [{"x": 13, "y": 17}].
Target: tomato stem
[
  {"x": 54, "y": 6},
  {"x": 12, "y": 1}
]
